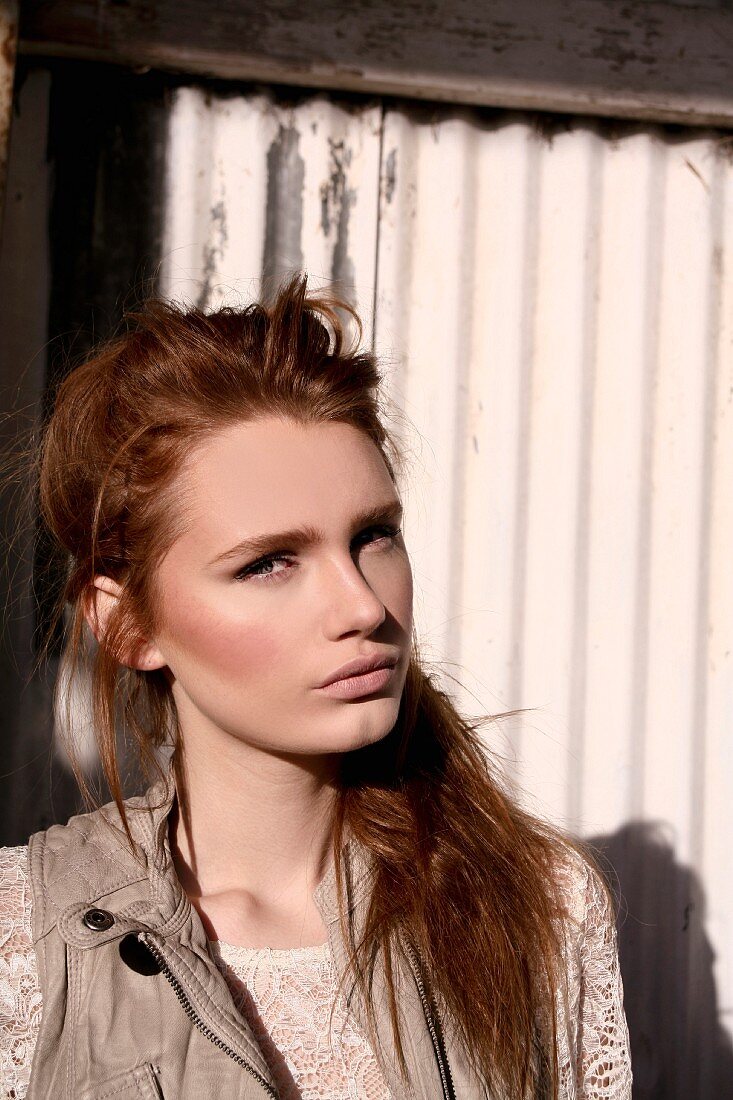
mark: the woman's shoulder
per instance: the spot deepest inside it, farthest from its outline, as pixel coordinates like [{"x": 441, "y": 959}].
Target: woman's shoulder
[
  {"x": 582, "y": 889},
  {"x": 594, "y": 1036}
]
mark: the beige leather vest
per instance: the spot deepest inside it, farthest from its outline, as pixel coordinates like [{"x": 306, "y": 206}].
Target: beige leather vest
[{"x": 135, "y": 1006}]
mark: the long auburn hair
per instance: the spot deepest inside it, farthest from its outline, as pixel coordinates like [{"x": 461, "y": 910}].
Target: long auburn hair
[{"x": 467, "y": 873}]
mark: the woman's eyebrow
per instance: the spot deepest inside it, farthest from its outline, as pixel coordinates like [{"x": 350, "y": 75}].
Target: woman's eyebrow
[{"x": 307, "y": 535}]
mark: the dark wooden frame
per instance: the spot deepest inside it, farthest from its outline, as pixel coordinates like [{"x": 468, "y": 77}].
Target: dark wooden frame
[{"x": 626, "y": 58}]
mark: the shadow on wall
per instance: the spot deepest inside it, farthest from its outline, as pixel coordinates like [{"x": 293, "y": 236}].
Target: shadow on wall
[{"x": 679, "y": 1049}]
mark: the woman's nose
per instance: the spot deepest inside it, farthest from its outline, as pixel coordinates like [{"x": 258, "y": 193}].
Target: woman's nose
[{"x": 353, "y": 602}]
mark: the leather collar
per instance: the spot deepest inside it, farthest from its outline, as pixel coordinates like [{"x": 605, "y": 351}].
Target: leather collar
[{"x": 144, "y": 891}]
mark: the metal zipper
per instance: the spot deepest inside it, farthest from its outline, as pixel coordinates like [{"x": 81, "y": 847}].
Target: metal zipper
[
  {"x": 432, "y": 1018},
  {"x": 192, "y": 1014}
]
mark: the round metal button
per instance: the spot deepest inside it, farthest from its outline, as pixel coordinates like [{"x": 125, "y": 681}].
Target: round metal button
[{"x": 98, "y": 919}]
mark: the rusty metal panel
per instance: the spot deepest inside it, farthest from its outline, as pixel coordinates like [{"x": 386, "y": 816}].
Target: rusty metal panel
[{"x": 552, "y": 304}]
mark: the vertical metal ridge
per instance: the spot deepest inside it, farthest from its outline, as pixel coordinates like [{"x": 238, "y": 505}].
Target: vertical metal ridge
[
  {"x": 699, "y": 1071},
  {"x": 640, "y": 640},
  {"x": 530, "y": 254},
  {"x": 283, "y": 251},
  {"x": 463, "y": 306},
  {"x": 577, "y": 702},
  {"x": 713, "y": 307},
  {"x": 382, "y": 170}
]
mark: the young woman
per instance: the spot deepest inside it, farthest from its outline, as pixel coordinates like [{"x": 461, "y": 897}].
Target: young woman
[{"x": 325, "y": 892}]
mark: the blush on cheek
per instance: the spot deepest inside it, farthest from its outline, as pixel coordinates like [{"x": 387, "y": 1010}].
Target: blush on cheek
[
  {"x": 251, "y": 649},
  {"x": 225, "y": 647}
]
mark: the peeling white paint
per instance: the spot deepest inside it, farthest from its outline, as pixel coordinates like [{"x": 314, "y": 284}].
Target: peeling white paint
[{"x": 256, "y": 190}]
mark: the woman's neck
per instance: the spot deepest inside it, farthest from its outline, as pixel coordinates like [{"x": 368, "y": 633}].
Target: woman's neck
[{"x": 250, "y": 835}]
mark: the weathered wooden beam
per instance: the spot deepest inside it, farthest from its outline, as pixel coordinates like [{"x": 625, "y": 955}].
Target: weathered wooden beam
[
  {"x": 8, "y": 43},
  {"x": 629, "y": 58}
]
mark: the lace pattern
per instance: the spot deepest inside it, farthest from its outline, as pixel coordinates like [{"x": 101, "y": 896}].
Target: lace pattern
[
  {"x": 593, "y": 1036},
  {"x": 20, "y": 995},
  {"x": 286, "y": 995}
]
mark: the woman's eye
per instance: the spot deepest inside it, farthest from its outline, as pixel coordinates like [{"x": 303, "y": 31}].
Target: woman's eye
[
  {"x": 265, "y": 563},
  {"x": 253, "y": 569},
  {"x": 389, "y": 532}
]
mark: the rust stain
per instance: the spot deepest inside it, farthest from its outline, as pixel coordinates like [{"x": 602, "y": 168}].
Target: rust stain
[
  {"x": 390, "y": 176},
  {"x": 337, "y": 203},
  {"x": 695, "y": 172},
  {"x": 334, "y": 190}
]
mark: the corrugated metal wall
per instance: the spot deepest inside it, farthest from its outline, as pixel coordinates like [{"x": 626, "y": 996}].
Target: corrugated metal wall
[
  {"x": 554, "y": 309},
  {"x": 552, "y": 302}
]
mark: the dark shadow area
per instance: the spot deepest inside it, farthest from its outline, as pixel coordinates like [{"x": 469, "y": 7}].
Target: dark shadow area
[
  {"x": 81, "y": 242},
  {"x": 680, "y": 1051}
]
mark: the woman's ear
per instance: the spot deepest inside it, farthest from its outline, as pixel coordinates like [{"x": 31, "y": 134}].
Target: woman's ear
[{"x": 101, "y": 600}]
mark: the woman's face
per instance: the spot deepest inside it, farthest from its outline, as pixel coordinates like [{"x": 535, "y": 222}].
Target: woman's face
[{"x": 248, "y": 641}]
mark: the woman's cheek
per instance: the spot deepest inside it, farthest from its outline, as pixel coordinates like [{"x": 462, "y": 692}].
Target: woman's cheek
[{"x": 227, "y": 645}]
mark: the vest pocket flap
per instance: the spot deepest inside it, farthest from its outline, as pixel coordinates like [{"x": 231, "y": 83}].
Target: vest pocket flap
[{"x": 139, "y": 1083}]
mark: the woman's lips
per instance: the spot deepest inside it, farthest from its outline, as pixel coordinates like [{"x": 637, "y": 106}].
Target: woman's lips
[{"x": 353, "y": 687}]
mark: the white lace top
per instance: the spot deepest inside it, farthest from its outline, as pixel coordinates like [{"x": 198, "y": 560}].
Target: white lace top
[{"x": 286, "y": 995}]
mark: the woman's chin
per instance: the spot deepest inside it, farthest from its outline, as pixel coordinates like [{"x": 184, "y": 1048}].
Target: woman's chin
[{"x": 348, "y": 740}]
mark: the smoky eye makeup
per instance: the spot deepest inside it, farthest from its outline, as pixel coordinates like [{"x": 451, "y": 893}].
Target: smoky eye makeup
[
  {"x": 253, "y": 549},
  {"x": 252, "y": 570},
  {"x": 306, "y": 535}
]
